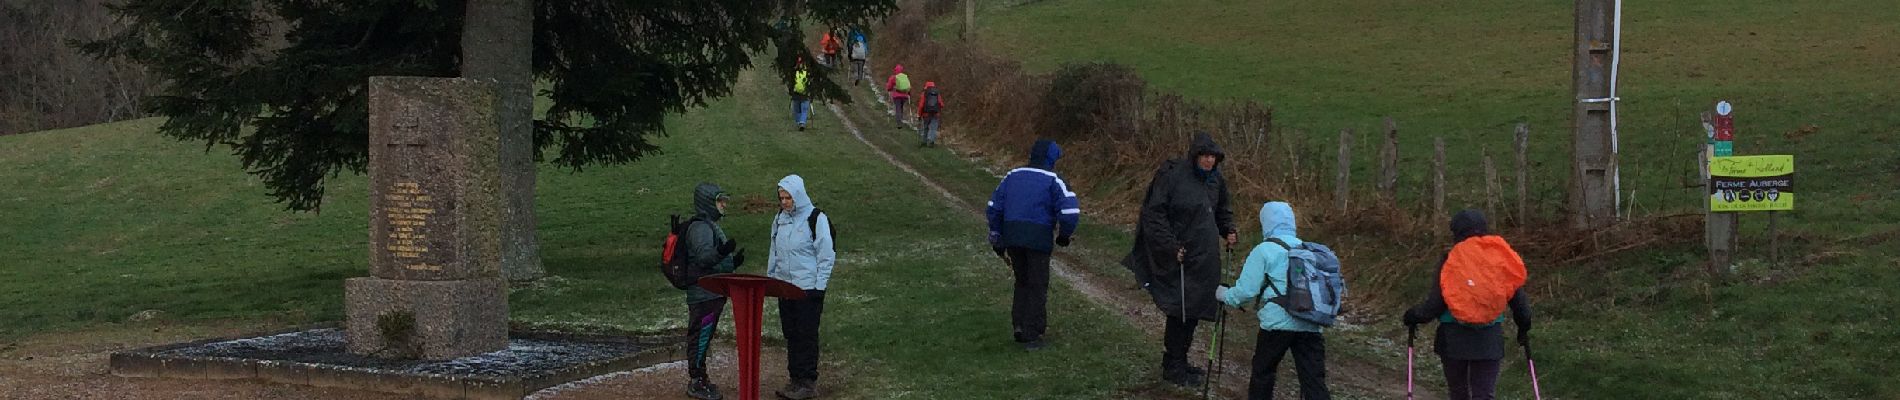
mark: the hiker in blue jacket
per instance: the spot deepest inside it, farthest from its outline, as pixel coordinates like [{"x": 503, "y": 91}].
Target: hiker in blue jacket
[
  {"x": 1030, "y": 213},
  {"x": 802, "y": 254},
  {"x": 1279, "y": 331}
]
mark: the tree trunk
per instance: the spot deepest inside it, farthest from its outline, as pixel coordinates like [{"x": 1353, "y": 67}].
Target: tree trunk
[{"x": 498, "y": 44}]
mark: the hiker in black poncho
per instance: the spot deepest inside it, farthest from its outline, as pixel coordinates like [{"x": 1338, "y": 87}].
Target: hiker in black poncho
[{"x": 1185, "y": 220}]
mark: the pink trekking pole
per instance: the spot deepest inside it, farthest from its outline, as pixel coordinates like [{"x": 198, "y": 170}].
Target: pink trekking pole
[
  {"x": 1539, "y": 392},
  {"x": 1411, "y": 336}
]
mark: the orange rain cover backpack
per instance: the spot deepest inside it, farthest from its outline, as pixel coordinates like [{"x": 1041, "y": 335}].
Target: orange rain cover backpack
[{"x": 1479, "y": 278}]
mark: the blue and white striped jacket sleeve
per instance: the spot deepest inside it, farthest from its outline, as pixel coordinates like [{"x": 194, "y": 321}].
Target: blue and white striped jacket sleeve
[
  {"x": 995, "y": 209},
  {"x": 1069, "y": 210}
]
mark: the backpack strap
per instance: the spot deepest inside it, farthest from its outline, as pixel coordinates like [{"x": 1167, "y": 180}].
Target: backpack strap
[
  {"x": 686, "y": 245},
  {"x": 1266, "y": 282},
  {"x": 811, "y": 222}
]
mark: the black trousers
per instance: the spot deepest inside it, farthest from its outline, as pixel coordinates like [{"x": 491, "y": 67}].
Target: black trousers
[
  {"x": 1177, "y": 338},
  {"x": 799, "y": 320},
  {"x": 702, "y": 321},
  {"x": 1309, "y": 361},
  {"x": 1471, "y": 379},
  {"x": 1029, "y": 313}
]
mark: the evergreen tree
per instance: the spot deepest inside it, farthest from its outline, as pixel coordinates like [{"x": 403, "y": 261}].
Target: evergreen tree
[{"x": 283, "y": 83}]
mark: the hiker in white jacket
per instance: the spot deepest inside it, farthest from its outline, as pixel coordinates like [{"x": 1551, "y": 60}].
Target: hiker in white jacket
[{"x": 802, "y": 254}]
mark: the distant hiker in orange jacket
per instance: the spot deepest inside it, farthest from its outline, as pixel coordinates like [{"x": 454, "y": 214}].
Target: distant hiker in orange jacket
[{"x": 829, "y": 43}]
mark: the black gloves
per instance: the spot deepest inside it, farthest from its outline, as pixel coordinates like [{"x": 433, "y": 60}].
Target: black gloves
[
  {"x": 1413, "y": 320},
  {"x": 1524, "y": 334},
  {"x": 738, "y": 258},
  {"x": 726, "y": 248},
  {"x": 1062, "y": 241}
]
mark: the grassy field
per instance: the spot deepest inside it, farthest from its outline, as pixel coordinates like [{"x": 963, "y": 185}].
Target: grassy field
[
  {"x": 112, "y": 219},
  {"x": 1817, "y": 72},
  {"x": 1809, "y": 79}
]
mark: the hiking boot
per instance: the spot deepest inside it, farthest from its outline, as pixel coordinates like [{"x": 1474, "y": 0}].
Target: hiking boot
[
  {"x": 702, "y": 390},
  {"x": 799, "y": 390},
  {"x": 1182, "y": 377},
  {"x": 1033, "y": 345}
]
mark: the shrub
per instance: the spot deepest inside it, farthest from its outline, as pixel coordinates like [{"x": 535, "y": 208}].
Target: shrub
[{"x": 1090, "y": 99}]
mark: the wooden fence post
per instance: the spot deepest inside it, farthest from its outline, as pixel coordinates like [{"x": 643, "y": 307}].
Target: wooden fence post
[
  {"x": 1341, "y": 191},
  {"x": 969, "y": 19},
  {"x": 1491, "y": 188},
  {"x": 1523, "y": 174},
  {"x": 1438, "y": 178},
  {"x": 1389, "y": 163},
  {"x": 1293, "y": 157}
]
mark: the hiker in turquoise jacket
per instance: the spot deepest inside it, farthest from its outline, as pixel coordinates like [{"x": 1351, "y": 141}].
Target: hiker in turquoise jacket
[
  {"x": 802, "y": 254},
  {"x": 1279, "y": 331}
]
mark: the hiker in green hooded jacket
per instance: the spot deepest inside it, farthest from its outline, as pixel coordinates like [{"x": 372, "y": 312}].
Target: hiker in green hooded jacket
[{"x": 709, "y": 252}]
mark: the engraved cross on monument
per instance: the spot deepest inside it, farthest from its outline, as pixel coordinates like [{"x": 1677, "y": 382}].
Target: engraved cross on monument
[{"x": 435, "y": 289}]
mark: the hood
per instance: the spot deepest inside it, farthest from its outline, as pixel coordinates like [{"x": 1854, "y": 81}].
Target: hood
[
  {"x": 1044, "y": 154},
  {"x": 795, "y": 186},
  {"x": 1276, "y": 219},
  {"x": 897, "y": 69},
  {"x": 1203, "y": 143},
  {"x": 1466, "y": 224},
  {"x": 705, "y": 200},
  {"x": 930, "y": 84}
]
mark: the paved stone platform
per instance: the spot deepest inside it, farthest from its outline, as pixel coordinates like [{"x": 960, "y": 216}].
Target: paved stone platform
[{"x": 319, "y": 357}]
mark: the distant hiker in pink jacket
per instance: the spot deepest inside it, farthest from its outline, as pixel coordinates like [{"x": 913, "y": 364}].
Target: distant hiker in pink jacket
[{"x": 899, "y": 88}]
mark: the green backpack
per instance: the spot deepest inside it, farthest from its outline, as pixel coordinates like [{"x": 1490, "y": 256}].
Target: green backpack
[{"x": 903, "y": 82}]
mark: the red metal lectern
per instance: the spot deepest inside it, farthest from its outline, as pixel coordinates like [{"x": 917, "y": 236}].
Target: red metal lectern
[{"x": 748, "y": 293}]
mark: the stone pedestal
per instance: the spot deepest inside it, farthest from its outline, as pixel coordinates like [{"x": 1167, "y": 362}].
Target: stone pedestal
[
  {"x": 435, "y": 214},
  {"x": 450, "y": 318}
]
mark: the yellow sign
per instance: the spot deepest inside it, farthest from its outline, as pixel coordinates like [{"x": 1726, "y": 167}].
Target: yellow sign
[{"x": 1751, "y": 183}]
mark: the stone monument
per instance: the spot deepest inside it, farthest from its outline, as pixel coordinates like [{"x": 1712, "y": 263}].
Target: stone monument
[{"x": 435, "y": 289}]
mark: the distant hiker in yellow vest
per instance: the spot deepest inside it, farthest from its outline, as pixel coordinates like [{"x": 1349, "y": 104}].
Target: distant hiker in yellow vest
[{"x": 801, "y": 98}]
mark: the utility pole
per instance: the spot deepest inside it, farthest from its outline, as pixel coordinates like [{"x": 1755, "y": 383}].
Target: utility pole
[{"x": 1593, "y": 188}]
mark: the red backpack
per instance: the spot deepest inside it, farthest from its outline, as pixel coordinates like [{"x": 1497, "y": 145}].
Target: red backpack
[{"x": 673, "y": 254}]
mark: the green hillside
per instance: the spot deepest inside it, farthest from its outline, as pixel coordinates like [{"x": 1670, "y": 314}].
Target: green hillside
[{"x": 1813, "y": 79}]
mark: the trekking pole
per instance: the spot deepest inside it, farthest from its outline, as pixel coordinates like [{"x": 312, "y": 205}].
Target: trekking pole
[
  {"x": 1411, "y": 336},
  {"x": 1180, "y": 286},
  {"x": 1539, "y": 392},
  {"x": 1215, "y": 353}
]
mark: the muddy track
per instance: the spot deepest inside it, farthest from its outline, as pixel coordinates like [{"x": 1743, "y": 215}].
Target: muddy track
[{"x": 1348, "y": 377}]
